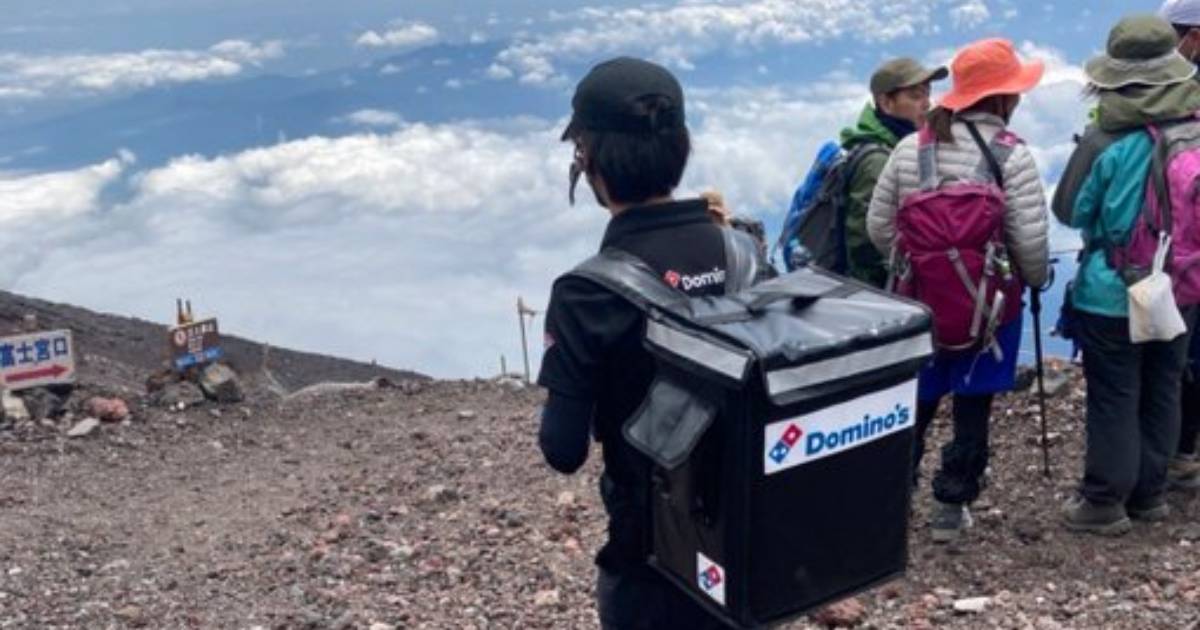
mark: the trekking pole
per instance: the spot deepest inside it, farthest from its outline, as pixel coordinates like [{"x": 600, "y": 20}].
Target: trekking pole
[{"x": 1035, "y": 307}]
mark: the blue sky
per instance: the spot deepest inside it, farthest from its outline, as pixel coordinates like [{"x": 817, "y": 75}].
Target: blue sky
[{"x": 381, "y": 180}]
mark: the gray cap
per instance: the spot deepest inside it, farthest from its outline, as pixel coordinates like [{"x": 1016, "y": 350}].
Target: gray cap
[{"x": 904, "y": 72}]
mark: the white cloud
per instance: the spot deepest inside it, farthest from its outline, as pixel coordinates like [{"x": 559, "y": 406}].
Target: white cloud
[
  {"x": 29, "y": 76},
  {"x": 411, "y": 246},
  {"x": 372, "y": 118},
  {"x": 399, "y": 35},
  {"x": 56, "y": 196},
  {"x": 499, "y": 72},
  {"x": 970, "y": 14},
  {"x": 676, "y": 34}
]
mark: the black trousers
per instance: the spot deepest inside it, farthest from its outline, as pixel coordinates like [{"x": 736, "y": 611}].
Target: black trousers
[
  {"x": 1133, "y": 410},
  {"x": 1189, "y": 423},
  {"x": 966, "y": 456},
  {"x": 641, "y": 599}
]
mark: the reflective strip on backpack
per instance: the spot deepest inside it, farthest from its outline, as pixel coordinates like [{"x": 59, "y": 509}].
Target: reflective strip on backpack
[
  {"x": 794, "y": 378},
  {"x": 699, "y": 351}
]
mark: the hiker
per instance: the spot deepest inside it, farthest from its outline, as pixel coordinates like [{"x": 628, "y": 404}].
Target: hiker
[
  {"x": 978, "y": 330},
  {"x": 900, "y": 90},
  {"x": 1183, "y": 472},
  {"x": 632, "y": 145},
  {"x": 1133, "y": 389},
  {"x": 827, "y": 222}
]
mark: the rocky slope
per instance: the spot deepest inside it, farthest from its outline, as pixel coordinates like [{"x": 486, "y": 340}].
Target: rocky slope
[{"x": 426, "y": 505}]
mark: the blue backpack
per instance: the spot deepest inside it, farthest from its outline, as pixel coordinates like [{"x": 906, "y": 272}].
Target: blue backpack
[{"x": 814, "y": 230}]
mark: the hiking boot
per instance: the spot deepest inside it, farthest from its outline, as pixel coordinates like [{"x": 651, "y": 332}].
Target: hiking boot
[
  {"x": 1183, "y": 473},
  {"x": 1152, "y": 510},
  {"x": 1081, "y": 515},
  {"x": 949, "y": 520}
]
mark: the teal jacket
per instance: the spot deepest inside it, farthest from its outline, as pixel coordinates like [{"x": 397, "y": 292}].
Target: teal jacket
[
  {"x": 1102, "y": 188},
  {"x": 1109, "y": 201}
]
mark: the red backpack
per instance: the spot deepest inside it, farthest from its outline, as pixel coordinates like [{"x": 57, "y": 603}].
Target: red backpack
[{"x": 950, "y": 252}]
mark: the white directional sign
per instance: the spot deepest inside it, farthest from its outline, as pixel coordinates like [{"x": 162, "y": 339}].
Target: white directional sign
[{"x": 36, "y": 359}]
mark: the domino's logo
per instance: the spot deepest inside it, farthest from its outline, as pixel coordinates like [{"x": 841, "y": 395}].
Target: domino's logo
[
  {"x": 710, "y": 577},
  {"x": 786, "y": 443},
  {"x": 828, "y": 432}
]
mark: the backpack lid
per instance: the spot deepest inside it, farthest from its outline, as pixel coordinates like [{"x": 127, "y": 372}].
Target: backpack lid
[
  {"x": 807, "y": 330},
  {"x": 803, "y": 330}
]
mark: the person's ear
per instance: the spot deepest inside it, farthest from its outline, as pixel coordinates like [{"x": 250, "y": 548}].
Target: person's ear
[
  {"x": 884, "y": 103},
  {"x": 1191, "y": 44}
]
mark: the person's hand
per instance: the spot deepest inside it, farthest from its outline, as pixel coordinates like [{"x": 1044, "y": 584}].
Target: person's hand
[{"x": 716, "y": 207}]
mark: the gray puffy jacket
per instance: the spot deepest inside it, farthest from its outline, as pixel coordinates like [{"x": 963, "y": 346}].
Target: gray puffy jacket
[{"x": 1025, "y": 223}]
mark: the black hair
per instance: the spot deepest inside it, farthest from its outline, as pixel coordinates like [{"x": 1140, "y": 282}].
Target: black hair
[
  {"x": 639, "y": 166},
  {"x": 1181, "y": 30}
]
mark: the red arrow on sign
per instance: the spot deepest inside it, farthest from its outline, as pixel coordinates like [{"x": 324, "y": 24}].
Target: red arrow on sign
[{"x": 54, "y": 371}]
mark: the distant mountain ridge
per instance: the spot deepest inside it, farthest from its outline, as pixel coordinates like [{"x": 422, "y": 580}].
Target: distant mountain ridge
[{"x": 123, "y": 351}]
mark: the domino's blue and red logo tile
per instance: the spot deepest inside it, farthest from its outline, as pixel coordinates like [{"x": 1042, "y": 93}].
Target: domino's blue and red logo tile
[
  {"x": 710, "y": 577},
  {"x": 786, "y": 443}
]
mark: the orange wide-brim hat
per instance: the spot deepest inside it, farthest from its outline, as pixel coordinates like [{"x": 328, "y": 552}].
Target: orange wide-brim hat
[{"x": 986, "y": 68}]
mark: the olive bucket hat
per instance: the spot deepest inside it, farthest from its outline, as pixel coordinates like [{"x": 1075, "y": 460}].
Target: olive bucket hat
[{"x": 1141, "y": 50}]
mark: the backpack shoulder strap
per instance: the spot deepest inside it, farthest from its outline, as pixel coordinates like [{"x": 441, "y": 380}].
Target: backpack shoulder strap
[
  {"x": 927, "y": 158},
  {"x": 631, "y": 278},
  {"x": 854, "y": 159},
  {"x": 741, "y": 260},
  {"x": 1158, "y": 179},
  {"x": 995, "y": 153},
  {"x": 860, "y": 152}
]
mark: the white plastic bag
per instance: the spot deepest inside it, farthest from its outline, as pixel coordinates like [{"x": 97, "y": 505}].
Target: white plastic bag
[{"x": 1153, "y": 314}]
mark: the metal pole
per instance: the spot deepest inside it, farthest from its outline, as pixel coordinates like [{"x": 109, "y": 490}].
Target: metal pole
[
  {"x": 524, "y": 343},
  {"x": 1035, "y": 307}
]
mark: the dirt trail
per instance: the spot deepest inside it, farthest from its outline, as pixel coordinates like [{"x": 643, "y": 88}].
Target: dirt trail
[{"x": 429, "y": 507}]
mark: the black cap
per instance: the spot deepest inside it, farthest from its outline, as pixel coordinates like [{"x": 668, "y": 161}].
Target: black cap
[{"x": 609, "y": 99}]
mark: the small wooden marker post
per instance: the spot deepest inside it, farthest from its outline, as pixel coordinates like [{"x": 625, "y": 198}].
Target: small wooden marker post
[
  {"x": 524, "y": 311},
  {"x": 192, "y": 343}
]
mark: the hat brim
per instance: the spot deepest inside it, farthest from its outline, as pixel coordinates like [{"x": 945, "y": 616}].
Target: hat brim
[
  {"x": 937, "y": 74},
  {"x": 571, "y": 131},
  {"x": 1108, "y": 73},
  {"x": 1022, "y": 81}
]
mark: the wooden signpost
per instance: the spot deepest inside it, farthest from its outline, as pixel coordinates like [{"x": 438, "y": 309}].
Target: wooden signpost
[{"x": 193, "y": 343}]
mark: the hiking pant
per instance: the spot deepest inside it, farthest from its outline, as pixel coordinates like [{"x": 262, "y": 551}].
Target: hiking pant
[
  {"x": 641, "y": 599},
  {"x": 1189, "y": 422},
  {"x": 1133, "y": 393},
  {"x": 966, "y": 456},
  {"x": 1189, "y": 429}
]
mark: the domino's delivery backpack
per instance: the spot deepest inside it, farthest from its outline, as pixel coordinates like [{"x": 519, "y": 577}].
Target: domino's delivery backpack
[{"x": 778, "y": 425}]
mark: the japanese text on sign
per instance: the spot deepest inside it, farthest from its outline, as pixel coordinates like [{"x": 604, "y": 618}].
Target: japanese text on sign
[{"x": 36, "y": 359}]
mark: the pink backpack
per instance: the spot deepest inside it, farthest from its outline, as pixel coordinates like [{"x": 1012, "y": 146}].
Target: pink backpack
[
  {"x": 950, "y": 252},
  {"x": 1171, "y": 206}
]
